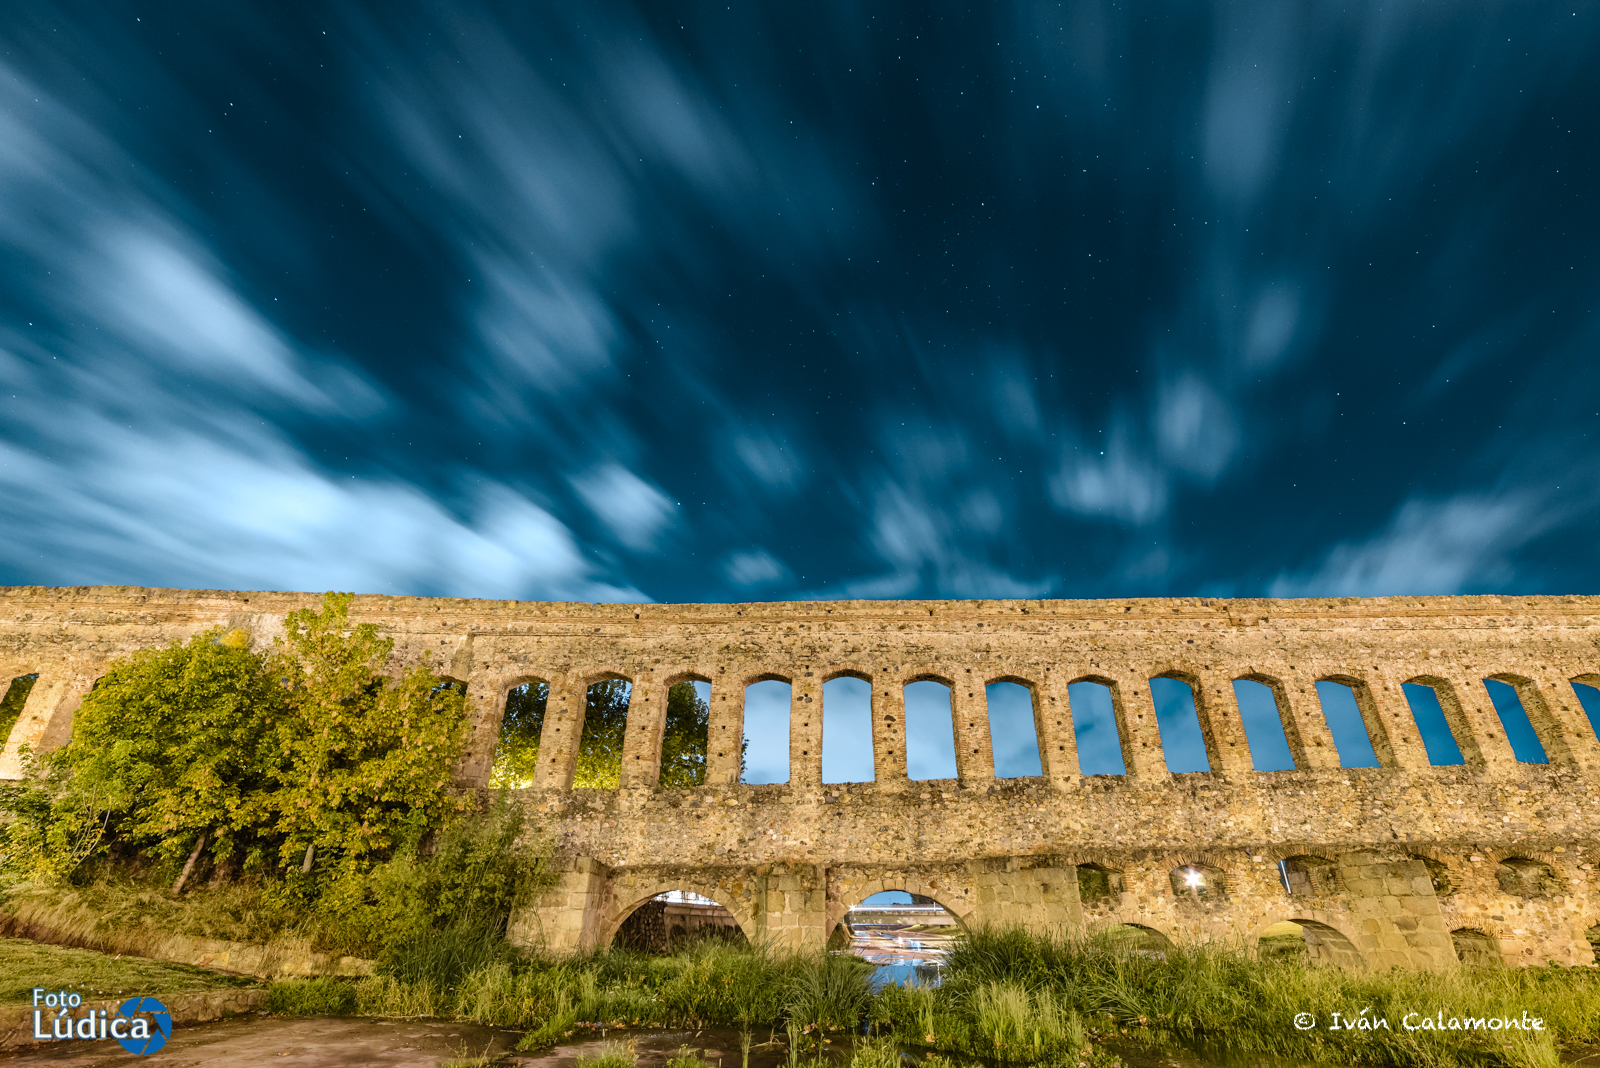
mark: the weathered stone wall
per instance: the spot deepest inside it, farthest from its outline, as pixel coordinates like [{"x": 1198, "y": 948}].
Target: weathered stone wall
[{"x": 788, "y": 860}]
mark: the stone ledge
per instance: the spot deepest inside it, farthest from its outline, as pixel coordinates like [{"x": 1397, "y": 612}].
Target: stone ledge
[
  {"x": 271, "y": 960},
  {"x": 16, "y": 1021}
]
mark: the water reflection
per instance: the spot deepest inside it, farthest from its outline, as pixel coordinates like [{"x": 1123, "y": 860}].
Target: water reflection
[{"x": 906, "y": 935}]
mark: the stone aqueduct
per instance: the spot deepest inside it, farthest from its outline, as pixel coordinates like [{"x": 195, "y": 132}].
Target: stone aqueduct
[{"x": 1401, "y": 855}]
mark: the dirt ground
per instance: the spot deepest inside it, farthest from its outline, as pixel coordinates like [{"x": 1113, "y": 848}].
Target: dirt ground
[
  {"x": 285, "y": 1042},
  {"x": 345, "y": 1042}
]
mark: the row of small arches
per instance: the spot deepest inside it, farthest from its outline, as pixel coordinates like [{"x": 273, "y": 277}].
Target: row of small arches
[
  {"x": 1308, "y": 875},
  {"x": 1013, "y": 718}
]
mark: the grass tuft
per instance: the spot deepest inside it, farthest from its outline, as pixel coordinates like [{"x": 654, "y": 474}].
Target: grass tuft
[
  {"x": 312, "y": 997},
  {"x": 610, "y": 1055},
  {"x": 25, "y": 965}
]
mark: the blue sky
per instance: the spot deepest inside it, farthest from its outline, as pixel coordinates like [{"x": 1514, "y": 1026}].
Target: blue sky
[{"x": 699, "y": 302}]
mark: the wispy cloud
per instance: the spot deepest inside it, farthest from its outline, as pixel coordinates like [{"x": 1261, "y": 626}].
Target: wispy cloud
[
  {"x": 178, "y": 509},
  {"x": 754, "y": 568},
  {"x": 1457, "y": 545},
  {"x": 1113, "y": 483},
  {"x": 156, "y": 462},
  {"x": 636, "y": 512}
]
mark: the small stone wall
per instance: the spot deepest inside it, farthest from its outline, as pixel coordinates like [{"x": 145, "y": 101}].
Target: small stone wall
[{"x": 16, "y": 1021}]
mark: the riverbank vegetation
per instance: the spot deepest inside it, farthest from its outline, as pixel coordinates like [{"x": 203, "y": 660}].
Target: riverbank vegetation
[
  {"x": 25, "y": 965},
  {"x": 1007, "y": 997}
]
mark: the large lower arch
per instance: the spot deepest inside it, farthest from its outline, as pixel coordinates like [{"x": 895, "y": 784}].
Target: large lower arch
[
  {"x": 1324, "y": 944},
  {"x": 1131, "y": 938},
  {"x": 618, "y": 909},
  {"x": 958, "y": 900},
  {"x": 902, "y": 936},
  {"x": 676, "y": 920}
]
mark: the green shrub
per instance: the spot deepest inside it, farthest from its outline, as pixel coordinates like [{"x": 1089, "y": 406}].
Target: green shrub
[
  {"x": 687, "y": 1058},
  {"x": 875, "y": 1053},
  {"x": 312, "y": 997},
  {"x": 610, "y": 1055},
  {"x": 829, "y": 991}
]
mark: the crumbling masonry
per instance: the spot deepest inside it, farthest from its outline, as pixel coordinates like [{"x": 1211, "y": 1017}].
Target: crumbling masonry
[{"x": 1384, "y": 863}]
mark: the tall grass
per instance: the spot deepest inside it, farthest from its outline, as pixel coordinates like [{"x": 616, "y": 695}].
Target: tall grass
[
  {"x": 829, "y": 992},
  {"x": 1208, "y": 995},
  {"x": 1009, "y": 997}
]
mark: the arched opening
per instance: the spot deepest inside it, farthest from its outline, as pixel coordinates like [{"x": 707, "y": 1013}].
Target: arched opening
[
  {"x": 1593, "y": 936},
  {"x": 1309, "y": 876},
  {"x": 1131, "y": 938},
  {"x": 1013, "y": 730},
  {"x": 1428, "y": 698},
  {"x": 685, "y": 735},
  {"x": 11, "y": 705},
  {"x": 1526, "y": 878},
  {"x": 1094, "y": 726},
  {"x": 1099, "y": 887},
  {"x": 930, "y": 731},
  {"x": 676, "y": 920},
  {"x": 1520, "y": 732},
  {"x": 1308, "y": 941},
  {"x": 1475, "y": 949},
  {"x": 1183, "y": 743},
  {"x": 1439, "y": 876},
  {"x": 1353, "y": 722},
  {"x": 1197, "y": 882},
  {"x": 1261, "y": 712},
  {"x": 847, "y": 730},
  {"x": 766, "y": 732},
  {"x": 1587, "y": 689},
  {"x": 905, "y": 935},
  {"x": 605, "y": 725},
  {"x": 516, "y": 752}
]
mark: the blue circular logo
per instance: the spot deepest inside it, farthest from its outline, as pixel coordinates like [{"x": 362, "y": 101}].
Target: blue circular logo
[{"x": 152, "y": 1039}]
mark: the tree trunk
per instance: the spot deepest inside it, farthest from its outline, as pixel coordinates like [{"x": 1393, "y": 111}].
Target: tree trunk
[
  {"x": 188, "y": 867},
  {"x": 311, "y": 851}
]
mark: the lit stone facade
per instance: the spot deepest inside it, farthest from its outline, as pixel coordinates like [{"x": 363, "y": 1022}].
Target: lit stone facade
[{"x": 1406, "y": 852}]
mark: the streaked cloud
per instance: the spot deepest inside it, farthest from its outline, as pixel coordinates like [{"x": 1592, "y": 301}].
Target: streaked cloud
[
  {"x": 1113, "y": 483},
  {"x": 635, "y": 511},
  {"x": 1458, "y": 545},
  {"x": 754, "y": 568}
]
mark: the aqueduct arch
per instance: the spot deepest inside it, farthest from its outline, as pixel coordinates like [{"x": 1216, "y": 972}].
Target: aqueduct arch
[{"x": 787, "y": 859}]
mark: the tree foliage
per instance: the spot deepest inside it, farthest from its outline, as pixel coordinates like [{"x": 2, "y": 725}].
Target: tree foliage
[
  {"x": 362, "y": 757},
  {"x": 605, "y": 725},
  {"x": 684, "y": 737},
  {"x": 11, "y": 705},
  {"x": 170, "y": 743},
  {"x": 259, "y": 754},
  {"x": 516, "y": 754}
]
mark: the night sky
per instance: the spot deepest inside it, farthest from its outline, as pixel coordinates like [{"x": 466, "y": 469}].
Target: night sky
[{"x": 708, "y": 301}]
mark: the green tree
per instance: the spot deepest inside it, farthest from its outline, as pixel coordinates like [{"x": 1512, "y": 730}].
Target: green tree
[
  {"x": 605, "y": 724},
  {"x": 169, "y": 750},
  {"x": 11, "y": 705},
  {"x": 516, "y": 754},
  {"x": 684, "y": 737},
  {"x": 364, "y": 761}
]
